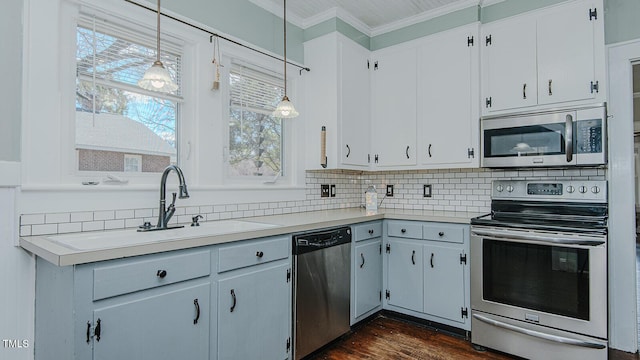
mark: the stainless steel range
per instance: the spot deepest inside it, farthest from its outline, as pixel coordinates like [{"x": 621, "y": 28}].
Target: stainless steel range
[{"x": 539, "y": 270}]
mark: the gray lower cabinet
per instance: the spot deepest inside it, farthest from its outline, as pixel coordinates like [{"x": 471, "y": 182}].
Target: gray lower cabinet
[
  {"x": 145, "y": 307},
  {"x": 254, "y": 300},
  {"x": 427, "y": 274},
  {"x": 366, "y": 282}
]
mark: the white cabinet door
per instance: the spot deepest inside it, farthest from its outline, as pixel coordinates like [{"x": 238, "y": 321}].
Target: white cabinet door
[
  {"x": 444, "y": 285},
  {"x": 354, "y": 103},
  {"x": 368, "y": 276},
  {"x": 509, "y": 75},
  {"x": 170, "y": 325},
  {"x": 566, "y": 53},
  {"x": 448, "y": 98},
  {"x": 394, "y": 107},
  {"x": 253, "y": 314},
  {"x": 405, "y": 274}
]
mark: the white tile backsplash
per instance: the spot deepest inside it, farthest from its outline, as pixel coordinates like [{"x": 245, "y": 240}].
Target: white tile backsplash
[{"x": 452, "y": 190}]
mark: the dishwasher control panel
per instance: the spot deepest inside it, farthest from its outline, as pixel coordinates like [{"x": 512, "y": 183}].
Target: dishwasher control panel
[{"x": 316, "y": 240}]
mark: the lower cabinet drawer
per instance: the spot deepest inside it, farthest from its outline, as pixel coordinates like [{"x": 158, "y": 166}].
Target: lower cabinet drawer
[
  {"x": 367, "y": 231},
  {"x": 134, "y": 275},
  {"x": 252, "y": 253},
  {"x": 442, "y": 232},
  {"x": 404, "y": 229}
]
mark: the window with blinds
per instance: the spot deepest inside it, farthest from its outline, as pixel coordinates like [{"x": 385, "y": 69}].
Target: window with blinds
[
  {"x": 115, "y": 119},
  {"x": 255, "y": 137}
]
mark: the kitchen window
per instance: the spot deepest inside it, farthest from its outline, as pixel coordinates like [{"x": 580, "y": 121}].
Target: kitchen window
[
  {"x": 255, "y": 147},
  {"x": 115, "y": 120}
]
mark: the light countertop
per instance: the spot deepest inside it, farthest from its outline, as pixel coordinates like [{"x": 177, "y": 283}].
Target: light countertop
[{"x": 86, "y": 247}]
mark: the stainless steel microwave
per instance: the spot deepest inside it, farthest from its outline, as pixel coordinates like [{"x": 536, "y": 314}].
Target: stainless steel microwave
[{"x": 559, "y": 138}]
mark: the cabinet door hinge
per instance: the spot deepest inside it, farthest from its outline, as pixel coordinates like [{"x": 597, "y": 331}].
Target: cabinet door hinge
[
  {"x": 487, "y": 40},
  {"x": 388, "y": 249},
  {"x": 388, "y": 295},
  {"x": 288, "y": 344},
  {"x": 375, "y": 65},
  {"x": 375, "y": 158},
  {"x": 469, "y": 40},
  {"x": 471, "y": 153},
  {"x": 368, "y": 65},
  {"x": 487, "y": 102},
  {"x": 380, "y": 295},
  {"x": 463, "y": 258},
  {"x": 380, "y": 248},
  {"x": 595, "y": 86},
  {"x": 369, "y": 158},
  {"x": 464, "y": 312},
  {"x": 593, "y": 14},
  {"x": 288, "y": 275}
]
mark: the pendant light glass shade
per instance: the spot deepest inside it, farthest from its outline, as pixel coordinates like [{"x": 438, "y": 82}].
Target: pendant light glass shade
[
  {"x": 285, "y": 108},
  {"x": 157, "y": 78}
]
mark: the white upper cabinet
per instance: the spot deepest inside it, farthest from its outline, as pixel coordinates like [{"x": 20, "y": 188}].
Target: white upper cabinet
[
  {"x": 394, "y": 107},
  {"x": 338, "y": 92},
  {"x": 448, "y": 93},
  {"x": 544, "y": 58}
]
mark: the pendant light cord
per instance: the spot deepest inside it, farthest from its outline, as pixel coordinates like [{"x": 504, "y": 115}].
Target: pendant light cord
[
  {"x": 285, "y": 48},
  {"x": 158, "y": 35}
]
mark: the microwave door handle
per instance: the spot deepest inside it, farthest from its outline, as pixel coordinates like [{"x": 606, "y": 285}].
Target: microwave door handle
[{"x": 568, "y": 139}]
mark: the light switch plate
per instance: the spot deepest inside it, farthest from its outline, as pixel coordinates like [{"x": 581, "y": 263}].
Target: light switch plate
[
  {"x": 390, "y": 190},
  {"x": 333, "y": 190},
  {"x": 426, "y": 190}
]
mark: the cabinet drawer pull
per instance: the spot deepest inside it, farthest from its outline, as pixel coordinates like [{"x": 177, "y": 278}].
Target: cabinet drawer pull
[
  {"x": 233, "y": 297},
  {"x": 370, "y": 231},
  {"x": 403, "y": 230},
  {"x": 259, "y": 254},
  {"x": 431, "y": 259},
  {"x": 195, "y": 302},
  {"x": 413, "y": 257},
  {"x": 161, "y": 274},
  {"x": 98, "y": 330},
  {"x": 362, "y": 256},
  {"x": 441, "y": 233}
]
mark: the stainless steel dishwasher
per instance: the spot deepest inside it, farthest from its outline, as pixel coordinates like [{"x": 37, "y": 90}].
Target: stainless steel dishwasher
[{"x": 322, "y": 281}]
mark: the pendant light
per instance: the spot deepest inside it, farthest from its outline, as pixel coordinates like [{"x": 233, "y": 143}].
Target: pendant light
[
  {"x": 157, "y": 78},
  {"x": 285, "y": 108}
]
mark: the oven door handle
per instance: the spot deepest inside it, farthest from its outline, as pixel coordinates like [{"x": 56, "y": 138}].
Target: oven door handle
[
  {"x": 541, "y": 239},
  {"x": 538, "y": 334}
]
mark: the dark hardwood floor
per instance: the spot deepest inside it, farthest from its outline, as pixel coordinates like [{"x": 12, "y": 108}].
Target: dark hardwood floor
[{"x": 385, "y": 337}]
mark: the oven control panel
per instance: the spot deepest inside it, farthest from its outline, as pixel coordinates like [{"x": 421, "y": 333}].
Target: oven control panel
[{"x": 573, "y": 190}]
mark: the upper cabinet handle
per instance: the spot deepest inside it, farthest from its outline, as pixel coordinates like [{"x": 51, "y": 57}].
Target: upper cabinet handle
[
  {"x": 407, "y": 151},
  {"x": 429, "y": 150},
  {"x": 524, "y": 90},
  {"x": 348, "y": 151},
  {"x": 550, "y": 92}
]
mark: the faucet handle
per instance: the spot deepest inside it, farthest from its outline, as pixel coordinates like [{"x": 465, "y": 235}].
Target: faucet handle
[
  {"x": 194, "y": 220},
  {"x": 173, "y": 201}
]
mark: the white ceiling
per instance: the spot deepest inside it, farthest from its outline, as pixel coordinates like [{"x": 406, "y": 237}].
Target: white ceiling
[{"x": 372, "y": 17}]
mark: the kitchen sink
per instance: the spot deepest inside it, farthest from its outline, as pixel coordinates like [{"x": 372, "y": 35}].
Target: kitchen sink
[{"x": 131, "y": 237}]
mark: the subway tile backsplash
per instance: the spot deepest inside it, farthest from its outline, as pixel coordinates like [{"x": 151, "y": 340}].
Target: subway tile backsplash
[{"x": 451, "y": 190}]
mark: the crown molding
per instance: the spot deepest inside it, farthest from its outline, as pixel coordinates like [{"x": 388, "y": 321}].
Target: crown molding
[{"x": 278, "y": 11}]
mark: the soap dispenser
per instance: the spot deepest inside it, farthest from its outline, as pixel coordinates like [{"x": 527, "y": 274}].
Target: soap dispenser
[{"x": 371, "y": 200}]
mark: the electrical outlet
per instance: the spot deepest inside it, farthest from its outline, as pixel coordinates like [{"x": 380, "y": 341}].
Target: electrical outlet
[
  {"x": 324, "y": 190},
  {"x": 390, "y": 190},
  {"x": 333, "y": 190},
  {"x": 426, "y": 190}
]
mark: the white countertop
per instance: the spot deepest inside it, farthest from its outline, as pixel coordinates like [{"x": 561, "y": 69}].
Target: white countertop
[{"x": 79, "y": 248}]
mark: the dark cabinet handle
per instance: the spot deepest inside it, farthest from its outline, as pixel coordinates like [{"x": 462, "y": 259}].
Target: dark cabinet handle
[
  {"x": 407, "y": 151},
  {"x": 98, "y": 330},
  {"x": 403, "y": 230},
  {"x": 259, "y": 254},
  {"x": 88, "y": 332},
  {"x": 348, "y": 150},
  {"x": 195, "y": 302},
  {"x": 161, "y": 274},
  {"x": 550, "y": 92},
  {"x": 429, "y": 150},
  {"x": 370, "y": 231},
  {"x": 362, "y": 264},
  {"x": 524, "y": 91},
  {"x": 441, "y": 233},
  {"x": 413, "y": 257},
  {"x": 431, "y": 259},
  {"x": 233, "y": 297}
]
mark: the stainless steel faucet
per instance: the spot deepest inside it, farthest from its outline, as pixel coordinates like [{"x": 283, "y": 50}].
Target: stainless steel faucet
[{"x": 165, "y": 214}]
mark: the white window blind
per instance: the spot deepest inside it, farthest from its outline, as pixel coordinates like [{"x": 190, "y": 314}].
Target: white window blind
[{"x": 255, "y": 90}]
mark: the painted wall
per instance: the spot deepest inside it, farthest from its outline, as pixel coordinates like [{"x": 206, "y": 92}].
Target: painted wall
[
  {"x": 11, "y": 75},
  {"x": 244, "y": 21}
]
